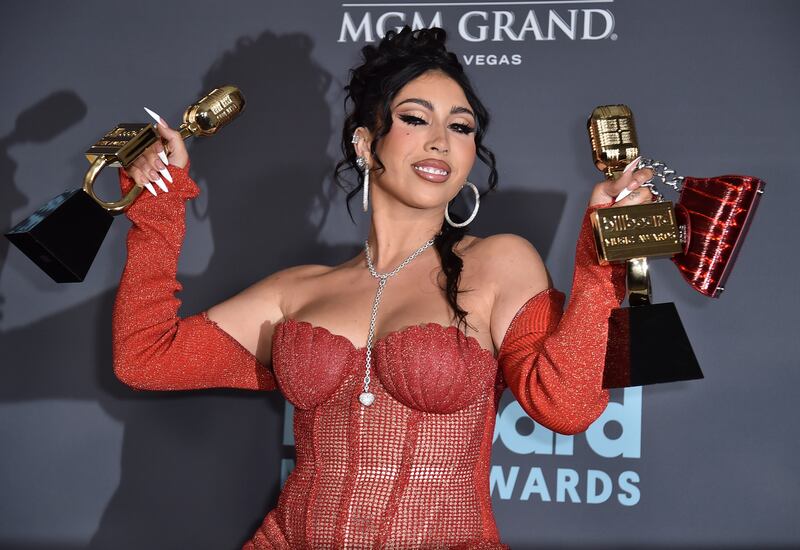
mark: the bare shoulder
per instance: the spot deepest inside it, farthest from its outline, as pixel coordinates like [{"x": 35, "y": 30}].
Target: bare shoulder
[
  {"x": 513, "y": 268},
  {"x": 264, "y": 298},
  {"x": 285, "y": 278},
  {"x": 505, "y": 256},
  {"x": 251, "y": 315}
]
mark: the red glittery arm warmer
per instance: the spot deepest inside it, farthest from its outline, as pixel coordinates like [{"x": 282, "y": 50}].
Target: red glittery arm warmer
[
  {"x": 154, "y": 349},
  {"x": 553, "y": 363}
]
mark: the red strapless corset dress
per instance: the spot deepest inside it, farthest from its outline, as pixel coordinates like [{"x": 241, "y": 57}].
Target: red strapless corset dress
[{"x": 410, "y": 471}]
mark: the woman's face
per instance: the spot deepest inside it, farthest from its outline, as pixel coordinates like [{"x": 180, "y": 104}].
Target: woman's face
[{"x": 430, "y": 149}]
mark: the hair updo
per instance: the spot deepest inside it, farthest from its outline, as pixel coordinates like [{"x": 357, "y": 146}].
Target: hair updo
[{"x": 399, "y": 58}]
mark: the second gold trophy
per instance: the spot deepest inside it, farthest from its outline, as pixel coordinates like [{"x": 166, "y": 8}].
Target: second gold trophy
[{"x": 647, "y": 343}]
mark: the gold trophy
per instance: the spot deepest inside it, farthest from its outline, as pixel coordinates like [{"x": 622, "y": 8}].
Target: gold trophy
[
  {"x": 647, "y": 343},
  {"x": 64, "y": 235}
]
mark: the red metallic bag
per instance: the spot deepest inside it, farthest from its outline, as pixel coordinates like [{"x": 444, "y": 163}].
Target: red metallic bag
[
  {"x": 718, "y": 212},
  {"x": 714, "y": 215}
]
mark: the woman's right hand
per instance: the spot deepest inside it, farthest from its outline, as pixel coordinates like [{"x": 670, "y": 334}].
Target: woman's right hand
[
  {"x": 615, "y": 190},
  {"x": 151, "y": 165}
]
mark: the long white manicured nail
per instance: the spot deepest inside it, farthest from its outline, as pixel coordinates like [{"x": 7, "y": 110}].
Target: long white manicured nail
[
  {"x": 156, "y": 117},
  {"x": 162, "y": 185},
  {"x": 625, "y": 192},
  {"x": 166, "y": 174},
  {"x": 149, "y": 187},
  {"x": 632, "y": 164},
  {"x": 163, "y": 156}
]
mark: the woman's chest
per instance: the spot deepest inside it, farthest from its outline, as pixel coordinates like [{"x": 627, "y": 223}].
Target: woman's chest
[
  {"x": 344, "y": 301},
  {"x": 429, "y": 367}
]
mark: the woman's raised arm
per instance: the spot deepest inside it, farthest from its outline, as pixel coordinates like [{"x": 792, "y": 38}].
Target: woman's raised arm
[
  {"x": 153, "y": 348},
  {"x": 552, "y": 361}
]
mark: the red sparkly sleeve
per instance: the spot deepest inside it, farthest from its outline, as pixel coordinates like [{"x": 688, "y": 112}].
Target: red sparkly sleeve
[
  {"x": 553, "y": 362},
  {"x": 153, "y": 348}
]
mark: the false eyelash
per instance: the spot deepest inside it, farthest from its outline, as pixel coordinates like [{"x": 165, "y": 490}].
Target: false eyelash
[
  {"x": 464, "y": 128},
  {"x": 412, "y": 120},
  {"x": 416, "y": 121}
]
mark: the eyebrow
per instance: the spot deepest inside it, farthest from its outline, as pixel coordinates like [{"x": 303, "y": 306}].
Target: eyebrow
[{"x": 428, "y": 105}]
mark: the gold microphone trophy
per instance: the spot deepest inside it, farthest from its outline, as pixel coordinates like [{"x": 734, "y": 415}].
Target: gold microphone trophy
[
  {"x": 647, "y": 343},
  {"x": 63, "y": 236}
]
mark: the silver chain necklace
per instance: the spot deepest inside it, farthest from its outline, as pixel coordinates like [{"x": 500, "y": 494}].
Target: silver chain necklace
[{"x": 366, "y": 397}]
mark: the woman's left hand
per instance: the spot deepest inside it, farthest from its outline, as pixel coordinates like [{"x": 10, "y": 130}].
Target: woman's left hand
[{"x": 606, "y": 191}]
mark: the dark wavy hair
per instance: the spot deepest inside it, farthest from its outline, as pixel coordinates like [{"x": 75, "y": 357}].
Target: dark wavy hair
[{"x": 399, "y": 58}]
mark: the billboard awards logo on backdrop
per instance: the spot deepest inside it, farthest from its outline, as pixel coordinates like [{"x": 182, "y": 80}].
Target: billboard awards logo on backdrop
[
  {"x": 502, "y": 24},
  {"x": 617, "y": 434}
]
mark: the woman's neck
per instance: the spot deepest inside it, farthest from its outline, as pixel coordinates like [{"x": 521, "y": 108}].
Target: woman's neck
[{"x": 396, "y": 232}]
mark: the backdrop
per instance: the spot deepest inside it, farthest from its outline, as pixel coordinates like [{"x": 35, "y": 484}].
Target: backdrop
[{"x": 85, "y": 462}]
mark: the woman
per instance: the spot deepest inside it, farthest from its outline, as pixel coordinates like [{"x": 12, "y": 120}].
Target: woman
[{"x": 394, "y": 404}]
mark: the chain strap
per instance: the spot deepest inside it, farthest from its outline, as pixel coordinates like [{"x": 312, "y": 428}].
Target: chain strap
[{"x": 662, "y": 174}]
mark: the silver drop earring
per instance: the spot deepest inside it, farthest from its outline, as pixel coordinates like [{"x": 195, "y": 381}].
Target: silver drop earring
[
  {"x": 474, "y": 210},
  {"x": 361, "y": 162}
]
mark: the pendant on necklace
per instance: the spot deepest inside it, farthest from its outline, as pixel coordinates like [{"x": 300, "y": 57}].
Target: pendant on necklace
[{"x": 366, "y": 398}]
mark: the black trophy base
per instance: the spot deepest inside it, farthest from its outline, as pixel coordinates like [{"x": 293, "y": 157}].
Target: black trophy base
[
  {"x": 648, "y": 345},
  {"x": 64, "y": 235}
]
